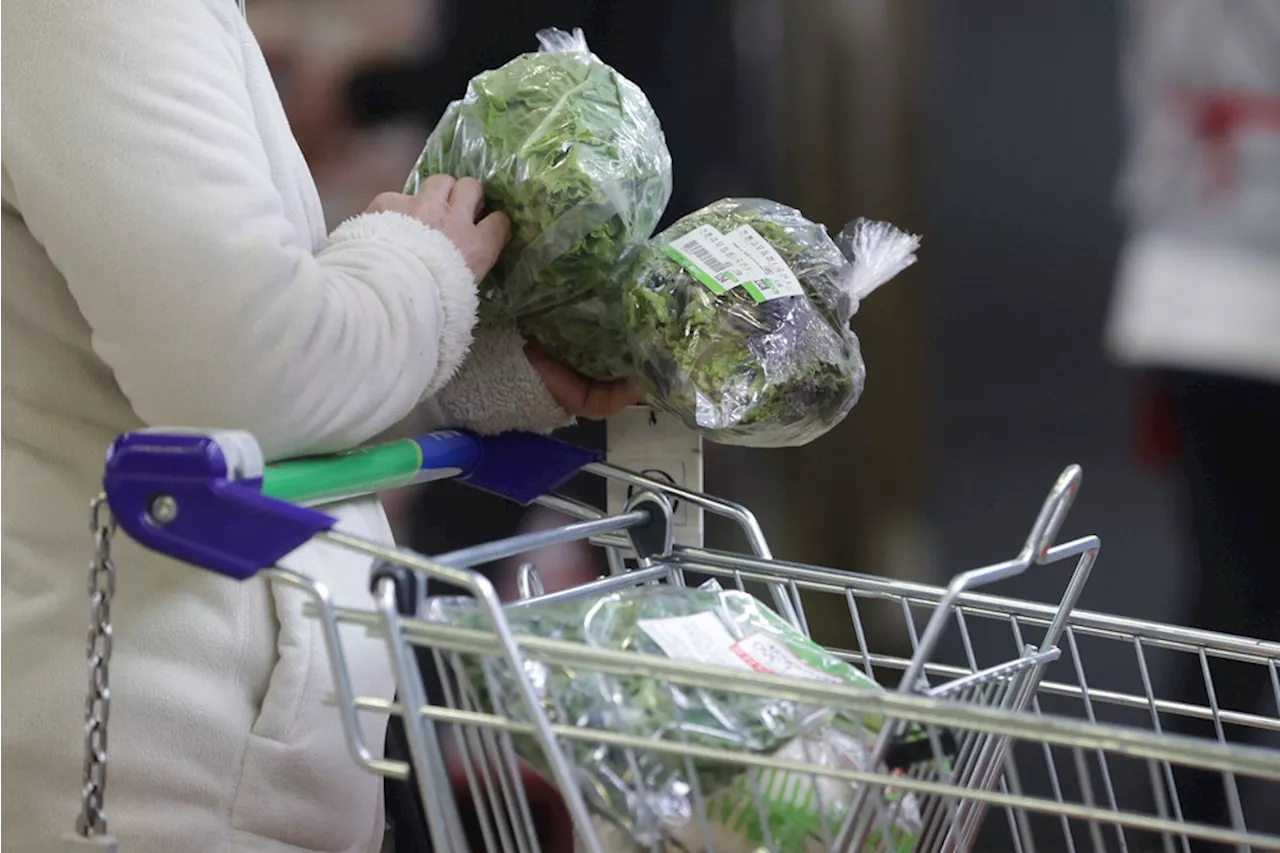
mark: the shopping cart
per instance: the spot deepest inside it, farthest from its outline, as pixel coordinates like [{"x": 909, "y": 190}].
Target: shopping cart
[{"x": 997, "y": 705}]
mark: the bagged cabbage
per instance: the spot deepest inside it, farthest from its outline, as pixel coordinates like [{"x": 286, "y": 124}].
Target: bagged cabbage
[
  {"x": 804, "y": 811},
  {"x": 573, "y": 153},
  {"x": 736, "y": 319},
  {"x": 739, "y": 323},
  {"x": 648, "y": 794}
]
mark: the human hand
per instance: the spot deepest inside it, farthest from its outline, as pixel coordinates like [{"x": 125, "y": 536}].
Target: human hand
[
  {"x": 451, "y": 206},
  {"x": 579, "y": 395}
]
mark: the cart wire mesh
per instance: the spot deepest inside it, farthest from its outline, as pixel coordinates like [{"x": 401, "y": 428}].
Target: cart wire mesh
[
  {"x": 1101, "y": 768},
  {"x": 993, "y": 707}
]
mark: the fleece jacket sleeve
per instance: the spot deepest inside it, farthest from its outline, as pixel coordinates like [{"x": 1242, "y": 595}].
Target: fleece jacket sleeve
[
  {"x": 137, "y": 155},
  {"x": 498, "y": 390}
]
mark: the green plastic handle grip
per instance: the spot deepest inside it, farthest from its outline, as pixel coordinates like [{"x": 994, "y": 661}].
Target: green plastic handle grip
[{"x": 324, "y": 479}]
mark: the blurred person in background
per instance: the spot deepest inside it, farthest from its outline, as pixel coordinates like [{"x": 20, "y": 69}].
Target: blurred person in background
[
  {"x": 1197, "y": 310},
  {"x": 319, "y": 52}
]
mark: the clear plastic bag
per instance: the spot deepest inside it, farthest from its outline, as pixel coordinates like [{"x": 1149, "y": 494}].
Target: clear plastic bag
[
  {"x": 573, "y": 152},
  {"x": 648, "y": 793},
  {"x": 590, "y": 335},
  {"x": 736, "y": 319}
]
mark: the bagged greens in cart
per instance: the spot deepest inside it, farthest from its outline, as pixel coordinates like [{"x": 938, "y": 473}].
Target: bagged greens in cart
[
  {"x": 648, "y": 793},
  {"x": 573, "y": 153},
  {"x": 736, "y": 319}
]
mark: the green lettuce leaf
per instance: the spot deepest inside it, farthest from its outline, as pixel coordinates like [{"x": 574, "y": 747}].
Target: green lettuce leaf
[
  {"x": 573, "y": 152},
  {"x": 772, "y": 374}
]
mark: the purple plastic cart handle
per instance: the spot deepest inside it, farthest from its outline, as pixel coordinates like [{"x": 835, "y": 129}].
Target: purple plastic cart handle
[
  {"x": 197, "y": 497},
  {"x": 175, "y": 494}
]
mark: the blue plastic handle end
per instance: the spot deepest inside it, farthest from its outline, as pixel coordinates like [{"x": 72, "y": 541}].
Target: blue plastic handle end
[{"x": 180, "y": 495}]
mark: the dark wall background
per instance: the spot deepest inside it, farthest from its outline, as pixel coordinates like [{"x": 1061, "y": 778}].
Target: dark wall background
[{"x": 1023, "y": 140}]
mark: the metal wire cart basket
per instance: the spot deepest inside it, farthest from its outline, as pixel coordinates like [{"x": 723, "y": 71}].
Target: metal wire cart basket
[{"x": 673, "y": 711}]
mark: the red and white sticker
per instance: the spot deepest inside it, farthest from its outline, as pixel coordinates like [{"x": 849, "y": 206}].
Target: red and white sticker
[
  {"x": 703, "y": 638},
  {"x": 765, "y": 653}
]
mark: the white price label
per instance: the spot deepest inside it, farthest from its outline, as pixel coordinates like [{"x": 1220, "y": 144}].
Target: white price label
[
  {"x": 741, "y": 258},
  {"x": 776, "y": 279},
  {"x": 701, "y": 638},
  {"x": 764, "y": 653}
]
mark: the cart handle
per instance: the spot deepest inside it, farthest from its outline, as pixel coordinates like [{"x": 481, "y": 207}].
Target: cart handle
[{"x": 208, "y": 498}]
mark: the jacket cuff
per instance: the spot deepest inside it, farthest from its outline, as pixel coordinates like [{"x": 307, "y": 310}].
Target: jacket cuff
[
  {"x": 497, "y": 389},
  {"x": 455, "y": 283}
]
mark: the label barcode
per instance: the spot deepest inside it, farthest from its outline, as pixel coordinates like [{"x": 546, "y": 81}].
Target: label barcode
[{"x": 706, "y": 257}]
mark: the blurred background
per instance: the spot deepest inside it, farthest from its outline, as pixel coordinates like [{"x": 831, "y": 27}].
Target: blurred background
[{"x": 991, "y": 127}]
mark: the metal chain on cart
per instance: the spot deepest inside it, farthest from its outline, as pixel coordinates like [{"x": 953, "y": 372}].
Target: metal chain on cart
[{"x": 97, "y": 705}]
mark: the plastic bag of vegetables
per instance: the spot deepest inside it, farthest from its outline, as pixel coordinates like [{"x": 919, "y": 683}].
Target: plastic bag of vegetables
[
  {"x": 573, "y": 153},
  {"x": 795, "y": 812},
  {"x": 736, "y": 319},
  {"x": 649, "y": 794}
]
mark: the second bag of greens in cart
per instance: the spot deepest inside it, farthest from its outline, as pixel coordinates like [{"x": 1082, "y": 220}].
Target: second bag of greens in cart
[
  {"x": 661, "y": 796},
  {"x": 736, "y": 318}
]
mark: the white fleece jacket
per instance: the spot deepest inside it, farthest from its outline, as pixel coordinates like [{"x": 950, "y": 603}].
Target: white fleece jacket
[{"x": 165, "y": 262}]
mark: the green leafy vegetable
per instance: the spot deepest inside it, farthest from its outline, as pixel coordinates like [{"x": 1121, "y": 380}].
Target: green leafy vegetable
[
  {"x": 573, "y": 153},
  {"x": 590, "y": 335},
  {"x": 765, "y": 374},
  {"x": 773, "y": 372},
  {"x": 647, "y": 792}
]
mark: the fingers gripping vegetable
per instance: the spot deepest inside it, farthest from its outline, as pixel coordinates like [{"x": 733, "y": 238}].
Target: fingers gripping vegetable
[{"x": 573, "y": 153}]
